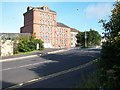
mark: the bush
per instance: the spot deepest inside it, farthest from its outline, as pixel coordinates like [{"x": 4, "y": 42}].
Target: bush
[
  {"x": 109, "y": 63},
  {"x": 26, "y": 44}
]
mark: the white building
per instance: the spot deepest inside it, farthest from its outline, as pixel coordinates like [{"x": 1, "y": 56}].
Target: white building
[{"x": 73, "y": 32}]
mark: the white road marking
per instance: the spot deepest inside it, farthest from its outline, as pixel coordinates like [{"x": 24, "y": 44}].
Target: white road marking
[
  {"x": 48, "y": 61},
  {"x": 52, "y": 75}
]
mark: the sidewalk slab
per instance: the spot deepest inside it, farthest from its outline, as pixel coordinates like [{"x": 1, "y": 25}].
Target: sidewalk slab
[{"x": 32, "y": 54}]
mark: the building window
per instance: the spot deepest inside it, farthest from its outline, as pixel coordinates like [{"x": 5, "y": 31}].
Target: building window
[
  {"x": 44, "y": 28},
  {"x": 41, "y": 21},
  {"x": 50, "y": 29},
  {"x": 42, "y": 16},
  {"x": 71, "y": 38},
  {"x": 72, "y": 35},
  {"x": 43, "y": 35},
  {"x": 45, "y": 16},
  {"x": 46, "y": 37},
  {"x": 44, "y": 22},
  {"x": 40, "y": 29},
  {"x": 50, "y": 35},
  {"x": 50, "y": 24},
  {"x": 48, "y": 16}
]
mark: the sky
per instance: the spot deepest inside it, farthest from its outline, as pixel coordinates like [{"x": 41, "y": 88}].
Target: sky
[{"x": 78, "y": 15}]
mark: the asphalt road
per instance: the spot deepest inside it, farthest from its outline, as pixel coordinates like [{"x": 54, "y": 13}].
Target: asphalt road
[{"x": 16, "y": 72}]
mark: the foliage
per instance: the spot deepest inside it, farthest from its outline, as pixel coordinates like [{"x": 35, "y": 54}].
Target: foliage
[
  {"x": 93, "y": 38},
  {"x": 91, "y": 82},
  {"x": 109, "y": 63},
  {"x": 80, "y": 39},
  {"x": 25, "y": 44}
]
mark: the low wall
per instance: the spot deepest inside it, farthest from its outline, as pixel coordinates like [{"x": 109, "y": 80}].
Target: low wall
[{"x": 6, "y": 48}]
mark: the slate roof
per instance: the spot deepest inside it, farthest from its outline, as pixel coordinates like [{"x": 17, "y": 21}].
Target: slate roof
[
  {"x": 74, "y": 30},
  {"x": 59, "y": 24}
]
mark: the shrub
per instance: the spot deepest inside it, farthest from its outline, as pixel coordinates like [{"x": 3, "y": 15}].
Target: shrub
[
  {"x": 109, "y": 63},
  {"x": 26, "y": 44}
]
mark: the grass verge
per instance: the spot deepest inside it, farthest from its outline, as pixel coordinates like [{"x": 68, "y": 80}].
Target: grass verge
[
  {"x": 27, "y": 52},
  {"x": 90, "y": 81}
]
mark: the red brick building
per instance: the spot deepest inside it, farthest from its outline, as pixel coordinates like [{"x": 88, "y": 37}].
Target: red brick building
[{"x": 41, "y": 22}]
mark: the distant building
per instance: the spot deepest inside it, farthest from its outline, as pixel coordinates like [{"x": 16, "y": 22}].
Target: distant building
[
  {"x": 41, "y": 22},
  {"x": 73, "y": 32}
]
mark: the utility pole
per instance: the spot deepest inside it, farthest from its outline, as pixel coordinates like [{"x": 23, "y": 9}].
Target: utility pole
[{"x": 85, "y": 39}]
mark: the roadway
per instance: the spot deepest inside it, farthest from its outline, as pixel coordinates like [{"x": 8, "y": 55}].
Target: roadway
[{"x": 21, "y": 71}]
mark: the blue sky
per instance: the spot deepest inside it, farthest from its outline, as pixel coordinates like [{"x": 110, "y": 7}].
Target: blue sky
[{"x": 79, "y": 15}]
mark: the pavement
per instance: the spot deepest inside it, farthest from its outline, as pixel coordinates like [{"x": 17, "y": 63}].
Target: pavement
[
  {"x": 58, "y": 66},
  {"x": 32, "y": 54}
]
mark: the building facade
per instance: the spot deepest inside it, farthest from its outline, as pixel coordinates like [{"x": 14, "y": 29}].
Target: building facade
[
  {"x": 62, "y": 36},
  {"x": 41, "y": 22},
  {"x": 73, "y": 33}
]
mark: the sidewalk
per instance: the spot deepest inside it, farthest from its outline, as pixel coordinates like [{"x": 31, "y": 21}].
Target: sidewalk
[{"x": 32, "y": 54}]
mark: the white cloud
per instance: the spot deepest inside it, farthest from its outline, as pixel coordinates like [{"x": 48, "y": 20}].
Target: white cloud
[{"x": 99, "y": 11}]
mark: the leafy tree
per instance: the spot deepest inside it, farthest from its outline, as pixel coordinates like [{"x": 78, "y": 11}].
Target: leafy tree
[
  {"x": 109, "y": 62},
  {"x": 80, "y": 39},
  {"x": 93, "y": 38}
]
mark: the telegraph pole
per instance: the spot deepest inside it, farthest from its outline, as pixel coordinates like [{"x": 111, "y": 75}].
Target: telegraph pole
[{"x": 85, "y": 39}]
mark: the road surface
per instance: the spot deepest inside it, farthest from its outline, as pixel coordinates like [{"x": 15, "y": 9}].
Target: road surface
[{"x": 26, "y": 70}]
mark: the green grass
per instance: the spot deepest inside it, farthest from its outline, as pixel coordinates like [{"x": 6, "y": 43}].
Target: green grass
[
  {"x": 21, "y": 53},
  {"x": 89, "y": 82}
]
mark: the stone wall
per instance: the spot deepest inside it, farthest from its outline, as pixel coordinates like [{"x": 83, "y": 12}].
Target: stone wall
[{"x": 6, "y": 47}]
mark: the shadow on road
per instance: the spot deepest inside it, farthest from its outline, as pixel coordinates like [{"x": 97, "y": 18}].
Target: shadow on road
[
  {"x": 60, "y": 62},
  {"x": 70, "y": 80},
  {"x": 6, "y": 84},
  {"x": 63, "y": 62}
]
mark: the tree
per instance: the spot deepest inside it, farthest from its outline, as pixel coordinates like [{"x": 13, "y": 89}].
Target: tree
[
  {"x": 80, "y": 39},
  {"x": 109, "y": 63},
  {"x": 93, "y": 38}
]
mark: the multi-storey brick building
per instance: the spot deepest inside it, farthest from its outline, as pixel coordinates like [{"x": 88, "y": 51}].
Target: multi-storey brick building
[{"x": 41, "y": 22}]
